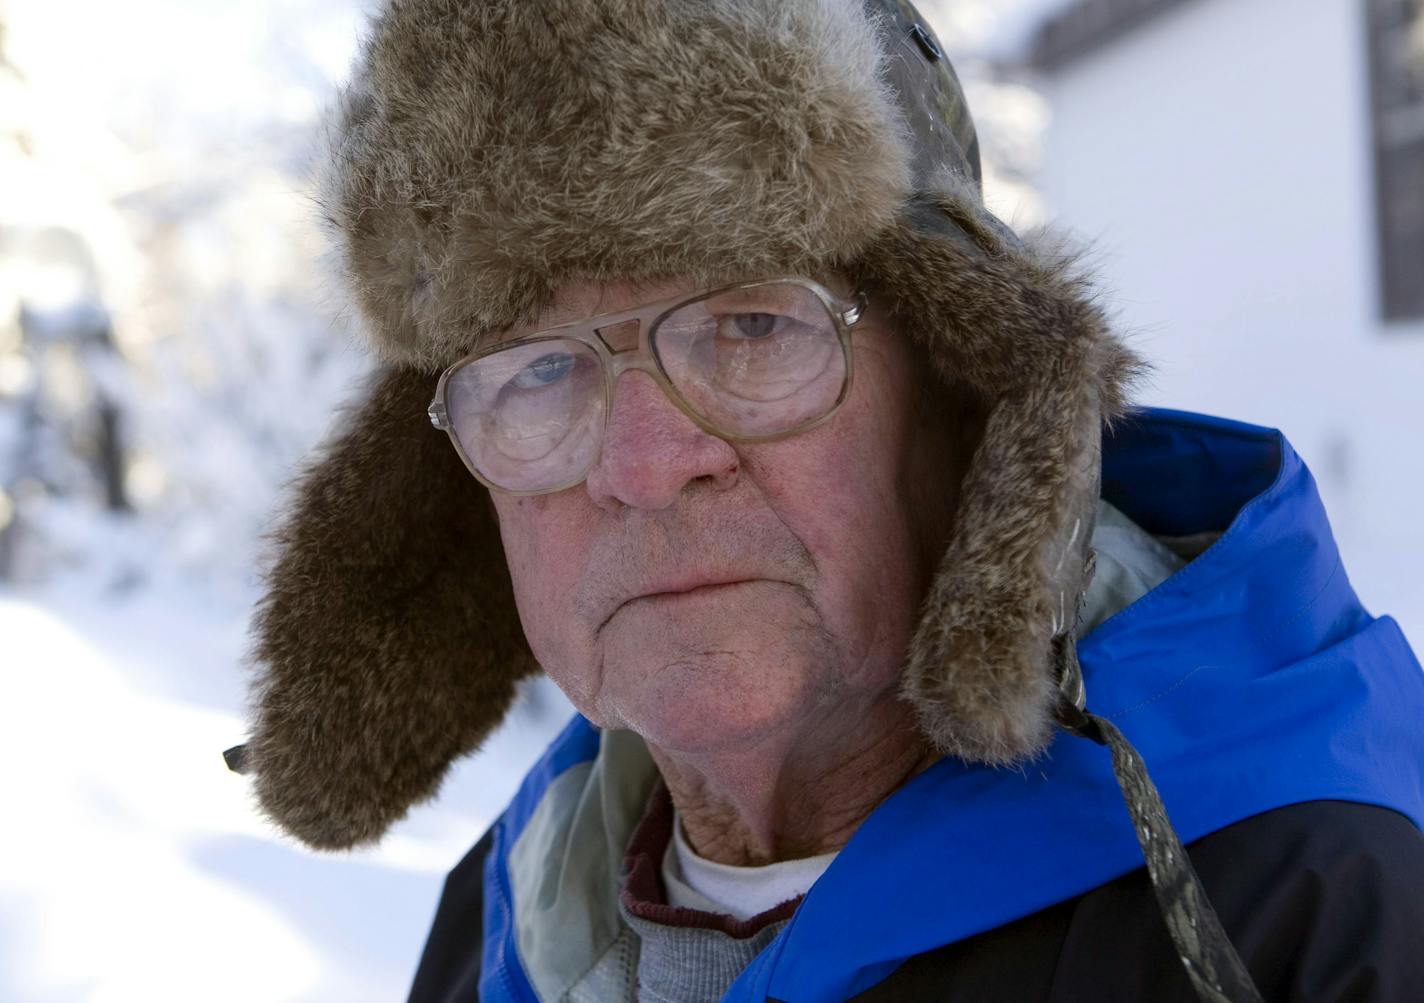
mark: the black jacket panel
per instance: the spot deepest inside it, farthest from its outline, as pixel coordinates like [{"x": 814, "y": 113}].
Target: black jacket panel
[
  {"x": 449, "y": 970},
  {"x": 1323, "y": 900}
]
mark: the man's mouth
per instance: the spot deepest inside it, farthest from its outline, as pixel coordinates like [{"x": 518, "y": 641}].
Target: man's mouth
[
  {"x": 680, "y": 590},
  {"x": 710, "y": 588}
]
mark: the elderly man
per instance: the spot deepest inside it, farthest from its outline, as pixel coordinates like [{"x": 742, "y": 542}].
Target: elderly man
[{"x": 785, "y": 460}]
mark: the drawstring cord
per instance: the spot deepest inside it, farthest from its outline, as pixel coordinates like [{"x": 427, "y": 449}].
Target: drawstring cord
[{"x": 1216, "y": 971}]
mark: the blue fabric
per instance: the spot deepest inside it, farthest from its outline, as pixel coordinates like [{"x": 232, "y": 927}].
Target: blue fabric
[
  {"x": 502, "y": 975},
  {"x": 1250, "y": 680}
]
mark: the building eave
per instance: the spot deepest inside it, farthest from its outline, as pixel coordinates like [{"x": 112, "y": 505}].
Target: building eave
[{"x": 1088, "y": 25}]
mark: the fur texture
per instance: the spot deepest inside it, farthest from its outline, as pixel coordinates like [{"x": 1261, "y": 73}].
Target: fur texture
[
  {"x": 1014, "y": 322},
  {"x": 388, "y": 638},
  {"x": 489, "y": 151}
]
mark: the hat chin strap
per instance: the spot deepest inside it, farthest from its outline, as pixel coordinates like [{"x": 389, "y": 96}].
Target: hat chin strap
[{"x": 1216, "y": 971}]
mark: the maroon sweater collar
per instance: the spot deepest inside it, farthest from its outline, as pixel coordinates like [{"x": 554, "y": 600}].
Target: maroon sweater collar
[{"x": 644, "y": 895}]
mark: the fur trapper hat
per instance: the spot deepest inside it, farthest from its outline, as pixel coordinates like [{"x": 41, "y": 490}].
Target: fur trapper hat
[{"x": 487, "y": 151}]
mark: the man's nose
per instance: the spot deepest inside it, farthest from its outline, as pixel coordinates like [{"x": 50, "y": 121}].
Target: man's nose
[{"x": 651, "y": 451}]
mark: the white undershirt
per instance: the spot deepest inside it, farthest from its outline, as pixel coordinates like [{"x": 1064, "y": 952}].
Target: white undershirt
[{"x": 694, "y": 882}]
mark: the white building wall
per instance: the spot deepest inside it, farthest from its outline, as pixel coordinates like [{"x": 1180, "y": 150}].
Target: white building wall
[{"x": 1220, "y": 159}]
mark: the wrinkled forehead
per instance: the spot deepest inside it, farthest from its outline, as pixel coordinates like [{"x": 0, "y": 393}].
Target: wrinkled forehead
[{"x": 580, "y": 298}]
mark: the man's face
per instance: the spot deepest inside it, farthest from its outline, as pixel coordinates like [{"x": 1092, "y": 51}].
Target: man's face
[{"x": 709, "y": 595}]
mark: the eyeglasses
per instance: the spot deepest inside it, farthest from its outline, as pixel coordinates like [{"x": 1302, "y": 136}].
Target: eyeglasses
[{"x": 750, "y": 362}]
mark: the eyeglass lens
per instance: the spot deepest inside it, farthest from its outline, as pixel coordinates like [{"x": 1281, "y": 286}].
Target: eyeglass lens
[{"x": 751, "y": 362}]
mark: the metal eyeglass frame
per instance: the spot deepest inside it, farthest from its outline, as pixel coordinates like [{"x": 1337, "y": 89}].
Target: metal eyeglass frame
[{"x": 642, "y": 356}]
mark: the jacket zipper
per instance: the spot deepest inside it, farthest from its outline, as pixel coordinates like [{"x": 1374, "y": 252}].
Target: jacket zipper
[{"x": 513, "y": 990}]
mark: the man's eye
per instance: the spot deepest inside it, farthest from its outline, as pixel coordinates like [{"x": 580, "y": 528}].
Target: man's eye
[
  {"x": 750, "y": 326},
  {"x": 543, "y": 371}
]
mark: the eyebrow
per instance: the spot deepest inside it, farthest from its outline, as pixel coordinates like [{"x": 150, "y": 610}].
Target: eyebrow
[
  {"x": 761, "y": 296},
  {"x": 555, "y": 317}
]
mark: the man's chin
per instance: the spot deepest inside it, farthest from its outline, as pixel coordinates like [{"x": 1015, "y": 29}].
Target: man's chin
[
  {"x": 721, "y": 699},
  {"x": 710, "y": 735},
  {"x": 704, "y": 671}
]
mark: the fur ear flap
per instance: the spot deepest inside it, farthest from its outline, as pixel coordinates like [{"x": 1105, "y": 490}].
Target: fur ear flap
[
  {"x": 388, "y": 643},
  {"x": 1017, "y": 326}
]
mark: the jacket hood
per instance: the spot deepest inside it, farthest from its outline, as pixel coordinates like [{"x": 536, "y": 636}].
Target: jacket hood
[
  {"x": 1250, "y": 680},
  {"x": 487, "y": 151}
]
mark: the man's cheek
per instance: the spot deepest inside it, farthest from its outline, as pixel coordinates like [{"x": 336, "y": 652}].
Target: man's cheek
[
  {"x": 573, "y": 666},
  {"x": 537, "y": 598}
]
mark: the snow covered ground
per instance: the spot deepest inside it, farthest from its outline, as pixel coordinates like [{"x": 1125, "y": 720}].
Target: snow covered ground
[{"x": 132, "y": 864}]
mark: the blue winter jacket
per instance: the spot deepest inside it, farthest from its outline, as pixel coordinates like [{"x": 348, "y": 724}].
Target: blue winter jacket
[{"x": 1250, "y": 680}]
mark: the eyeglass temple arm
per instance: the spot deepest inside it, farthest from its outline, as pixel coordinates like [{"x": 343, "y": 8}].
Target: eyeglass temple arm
[{"x": 852, "y": 314}]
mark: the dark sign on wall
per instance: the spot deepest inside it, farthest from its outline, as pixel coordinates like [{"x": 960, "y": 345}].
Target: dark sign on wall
[{"x": 1396, "y": 33}]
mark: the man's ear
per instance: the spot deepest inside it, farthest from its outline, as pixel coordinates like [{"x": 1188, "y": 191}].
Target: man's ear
[{"x": 387, "y": 643}]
